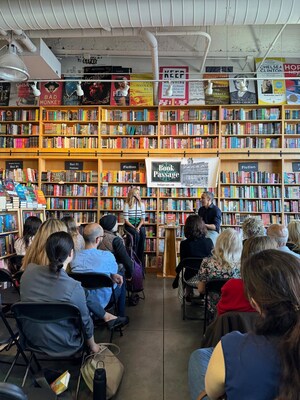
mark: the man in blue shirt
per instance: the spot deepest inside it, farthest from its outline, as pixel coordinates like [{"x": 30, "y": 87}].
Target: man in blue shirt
[
  {"x": 211, "y": 215},
  {"x": 93, "y": 260}
]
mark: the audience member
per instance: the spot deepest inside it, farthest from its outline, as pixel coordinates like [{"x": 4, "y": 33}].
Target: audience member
[
  {"x": 294, "y": 236},
  {"x": 30, "y": 228},
  {"x": 114, "y": 243},
  {"x": 223, "y": 264},
  {"x": 253, "y": 226},
  {"x": 211, "y": 215},
  {"x": 265, "y": 364},
  {"x": 46, "y": 283},
  {"x": 233, "y": 292},
  {"x": 280, "y": 234},
  {"x": 134, "y": 219},
  {"x": 93, "y": 260},
  {"x": 73, "y": 231}
]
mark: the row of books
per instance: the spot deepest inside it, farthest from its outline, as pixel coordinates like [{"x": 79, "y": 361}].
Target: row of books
[
  {"x": 292, "y": 206},
  {"x": 122, "y": 191},
  {"x": 291, "y": 178},
  {"x": 180, "y": 217},
  {"x": 271, "y": 128},
  {"x": 6, "y": 245},
  {"x": 15, "y": 195},
  {"x": 130, "y": 115},
  {"x": 71, "y": 204},
  {"x": 250, "y": 205},
  {"x": 189, "y": 129},
  {"x": 237, "y": 219},
  {"x": 19, "y": 174},
  {"x": 18, "y": 114},
  {"x": 191, "y": 114},
  {"x": 249, "y": 142},
  {"x": 60, "y": 142},
  {"x": 69, "y": 190},
  {"x": 176, "y": 205},
  {"x": 20, "y": 129},
  {"x": 67, "y": 129},
  {"x": 129, "y": 177},
  {"x": 253, "y": 114},
  {"x": 79, "y": 114},
  {"x": 290, "y": 217},
  {"x": 7, "y": 142},
  {"x": 251, "y": 192},
  {"x": 129, "y": 143},
  {"x": 246, "y": 177},
  {"x": 151, "y": 231},
  {"x": 82, "y": 217},
  {"x": 150, "y": 245},
  {"x": 292, "y": 143},
  {"x": 70, "y": 176},
  {"x": 292, "y": 192},
  {"x": 126, "y": 129},
  {"x": 182, "y": 192},
  {"x": 292, "y": 129},
  {"x": 292, "y": 114},
  {"x": 8, "y": 222},
  {"x": 190, "y": 143}
]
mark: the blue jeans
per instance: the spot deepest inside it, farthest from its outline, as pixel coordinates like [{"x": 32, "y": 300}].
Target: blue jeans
[{"x": 198, "y": 363}]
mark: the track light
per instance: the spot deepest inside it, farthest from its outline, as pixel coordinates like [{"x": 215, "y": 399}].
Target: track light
[
  {"x": 12, "y": 68},
  {"x": 243, "y": 85},
  {"x": 209, "y": 89},
  {"x": 35, "y": 90},
  {"x": 79, "y": 90},
  {"x": 124, "y": 88},
  {"x": 169, "y": 91}
]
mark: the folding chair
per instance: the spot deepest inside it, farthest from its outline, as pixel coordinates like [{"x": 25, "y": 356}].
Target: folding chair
[
  {"x": 96, "y": 280},
  {"x": 40, "y": 316},
  {"x": 8, "y": 391},
  {"x": 15, "y": 263},
  {"x": 211, "y": 286}
]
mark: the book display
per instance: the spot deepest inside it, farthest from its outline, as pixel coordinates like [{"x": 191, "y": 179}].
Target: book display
[{"x": 87, "y": 157}]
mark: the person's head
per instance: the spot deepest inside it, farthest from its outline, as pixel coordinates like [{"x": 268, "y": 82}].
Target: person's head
[
  {"x": 256, "y": 244},
  {"x": 92, "y": 234},
  {"x": 253, "y": 226},
  {"x": 294, "y": 233},
  {"x": 272, "y": 283},
  {"x": 109, "y": 222},
  {"x": 59, "y": 249},
  {"x": 238, "y": 79},
  {"x": 133, "y": 196},
  {"x": 207, "y": 199},
  {"x": 279, "y": 233},
  {"x": 194, "y": 227},
  {"x": 228, "y": 248},
  {"x": 71, "y": 225},
  {"x": 30, "y": 228},
  {"x": 36, "y": 252}
]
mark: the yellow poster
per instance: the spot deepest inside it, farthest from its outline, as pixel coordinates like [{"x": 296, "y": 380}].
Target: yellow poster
[{"x": 141, "y": 93}]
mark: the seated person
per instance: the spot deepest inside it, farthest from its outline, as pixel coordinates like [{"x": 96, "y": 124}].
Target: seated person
[
  {"x": 233, "y": 292},
  {"x": 93, "y": 260},
  {"x": 280, "y": 234},
  {"x": 46, "y": 283},
  {"x": 73, "y": 231},
  {"x": 114, "y": 243},
  {"x": 264, "y": 364},
  {"x": 253, "y": 226},
  {"x": 294, "y": 236},
  {"x": 30, "y": 228},
  {"x": 223, "y": 264}
]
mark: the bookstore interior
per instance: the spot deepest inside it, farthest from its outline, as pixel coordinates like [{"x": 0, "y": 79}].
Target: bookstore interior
[{"x": 89, "y": 107}]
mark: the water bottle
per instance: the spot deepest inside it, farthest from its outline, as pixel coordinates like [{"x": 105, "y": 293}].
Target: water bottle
[{"x": 99, "y": 390}]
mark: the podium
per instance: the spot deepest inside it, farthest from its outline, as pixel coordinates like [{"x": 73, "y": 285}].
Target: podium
[{"x": 170, "y": 253}]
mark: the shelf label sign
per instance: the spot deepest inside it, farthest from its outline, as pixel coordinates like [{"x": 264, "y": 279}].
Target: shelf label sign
[
  {"x": 129, "y": 166},
  {"x": 74, "y": 165},
  {"x": 248, "y": 166},
  {"x": 16, "y": 164},
  {"x": 296, "y": 166}
]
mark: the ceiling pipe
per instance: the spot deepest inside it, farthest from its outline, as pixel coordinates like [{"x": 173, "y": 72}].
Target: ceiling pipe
[
  {"x": 24, "y": 39},
  {"x": 8, "y": 37}
]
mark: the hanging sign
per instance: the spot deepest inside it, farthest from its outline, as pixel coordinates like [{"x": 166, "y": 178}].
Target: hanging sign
[
  {"x": 129, "y": 166},
  {"x": 16, "y": 164},
  {"x": 74, "y": 165},
  {"x": 248, "y": 166},
  {"x": 296, "y": 166}
]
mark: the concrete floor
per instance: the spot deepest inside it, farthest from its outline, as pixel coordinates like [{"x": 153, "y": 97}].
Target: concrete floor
[{"x": 155, "y": 348}]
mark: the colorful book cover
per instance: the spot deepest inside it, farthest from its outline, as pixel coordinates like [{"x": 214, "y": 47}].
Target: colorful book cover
[
  {"x": 292, "y": 85},
  {"x": 4, "y": 93},
  {"x": 21, "y": 94},
  {"x": 270, "y": 86},
  {"x": 141, "y": 93},
  {"x": 51, "y": 93},
  {"x": 120, "y": 90},
  {"x": 220, "y": 93},
  {"x": 240, "y": 96},
  {"x": 97, "y": 91},
  {"x": 40, "y": 197},
  {"x": 69, "y": 95},
  {"x": 173, "y": 91}
]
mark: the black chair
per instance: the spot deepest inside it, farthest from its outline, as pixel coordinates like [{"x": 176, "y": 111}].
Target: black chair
[
  {"x": 8, "y": 391},
  {"x": 211, "y": 286},
  {"x": 11, "y": 294},
  {"x": 42, "y": 315},
  {"x": 187, "y": 268},
  {"x": 97, "y": 280},
  {"x": 15, "y": 263}
]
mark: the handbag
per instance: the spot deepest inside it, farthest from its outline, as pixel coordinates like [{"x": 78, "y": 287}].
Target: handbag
[{"x": 108, "y": 360}]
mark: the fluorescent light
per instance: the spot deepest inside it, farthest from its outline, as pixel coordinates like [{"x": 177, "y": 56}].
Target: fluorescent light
[{"x": 209, "y": 89}]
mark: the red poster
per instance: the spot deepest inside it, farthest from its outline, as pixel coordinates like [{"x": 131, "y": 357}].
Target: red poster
[
  {"x": 51, "y": 93},
  {"x": 119, "y": 92}
]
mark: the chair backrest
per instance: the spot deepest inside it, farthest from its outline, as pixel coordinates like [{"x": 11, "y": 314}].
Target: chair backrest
[
  {"x": 8, "y": 391},
  {"x": 214, "y": 285},
  {"x": 190, "y": 266},
  {"x": 6, "y": 276},
  {"x": 15, "y": 263},
  {"x": 92, "y": 280},
  {"x": 45, "y": 313}
]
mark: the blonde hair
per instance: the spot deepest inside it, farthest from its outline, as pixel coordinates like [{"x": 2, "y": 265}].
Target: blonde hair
[
  {"x": 228, "y": 248},
  {"x": 294, "y": 233},
  {"x": 256, "y": 244},
  {"x": 36, "y": 253},
  {"x": 131, "y": 199},
  {"x": 253, "y": 226}
]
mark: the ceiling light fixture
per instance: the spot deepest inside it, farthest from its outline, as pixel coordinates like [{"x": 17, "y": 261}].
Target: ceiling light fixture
[
  {"x": 12, "y": 67},
  {"x": 35, "y": 90},
  {"x": 124, "y": 88},
  {"x": 79, "y": 90},
  {"x": 209, "y": 89},
  {"x": 169, "y": 91}
]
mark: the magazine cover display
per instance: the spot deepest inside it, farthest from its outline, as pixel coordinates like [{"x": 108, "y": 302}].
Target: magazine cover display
[
  {"x": 120, "y": 90},
  {"x": 97, "y": 91},
  {"x": 242, "y": 90},
  {"x": 51, "y": 93},
  {"x": 141, "y": 93},
  {"x": 292, "y": 85},
  {"x": 69, "y": 95},
  {"x": 270, "y": 91},
  {"x": 21, "y": 94},
  {"x": 4, "y": 93},
  {"x": 173, "y": 91}
]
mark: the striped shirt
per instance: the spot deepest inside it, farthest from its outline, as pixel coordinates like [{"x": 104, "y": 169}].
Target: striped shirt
[{"x": 135, "y": 213}]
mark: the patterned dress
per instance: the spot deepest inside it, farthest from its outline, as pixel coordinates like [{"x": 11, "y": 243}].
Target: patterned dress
[{"x": 211, "y": 269}]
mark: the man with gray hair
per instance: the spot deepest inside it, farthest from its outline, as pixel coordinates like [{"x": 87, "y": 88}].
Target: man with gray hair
[{"x": 280, "y": 234}]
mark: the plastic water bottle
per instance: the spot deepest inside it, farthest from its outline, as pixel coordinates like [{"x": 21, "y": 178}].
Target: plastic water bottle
[{"x": 99, "y": 392}]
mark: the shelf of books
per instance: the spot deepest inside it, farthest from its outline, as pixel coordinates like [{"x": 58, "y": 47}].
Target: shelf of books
[
  {"x": 291, "y": 180},
  {"x": 9, "y": 230},
  {"x": 189, "y": 127},
  {"x": 129, "y": 128},
  {"x": 19, "y": 127},
  {"x": 291, "y": 127},
  {"x": 250, "y": 188},
  {"x": 251, "y": 127},
  {"x": 71, "y": 188},
  {"x": 70, "y": 127}
]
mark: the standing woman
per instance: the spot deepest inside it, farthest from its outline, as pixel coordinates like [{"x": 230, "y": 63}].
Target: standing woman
[{"x": 134, "y": 219}]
